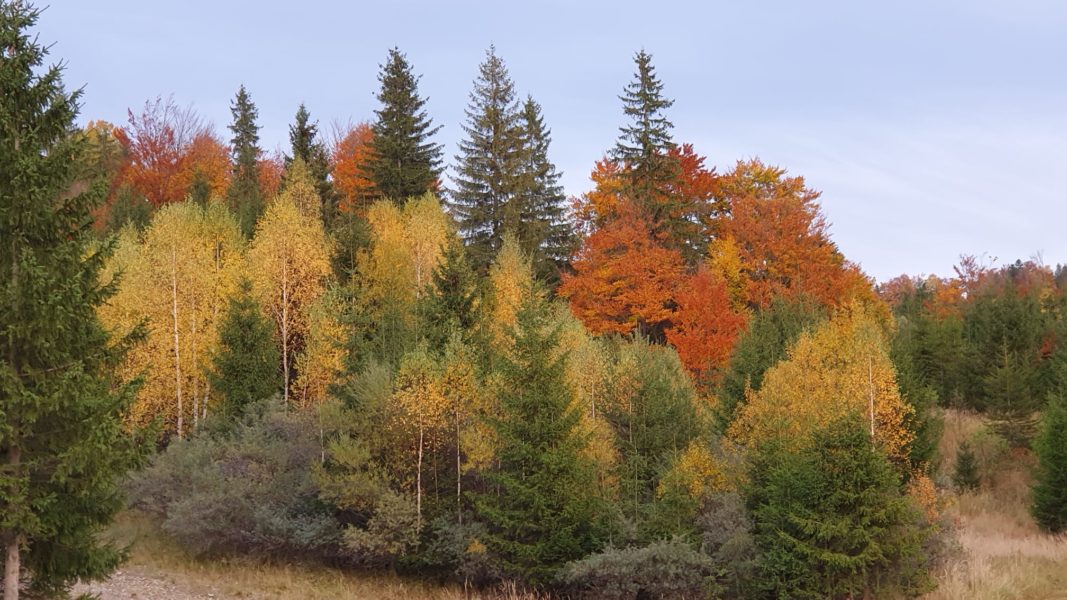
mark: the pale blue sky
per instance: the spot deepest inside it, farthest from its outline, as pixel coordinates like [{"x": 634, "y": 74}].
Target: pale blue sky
[{"x": 933, "y": 128}]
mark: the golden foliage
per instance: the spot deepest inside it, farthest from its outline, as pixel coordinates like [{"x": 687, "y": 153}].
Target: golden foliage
[{"x": 696, "y": 471}]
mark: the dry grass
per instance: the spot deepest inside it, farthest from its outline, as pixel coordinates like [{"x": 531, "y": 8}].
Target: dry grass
[
  {"x": 1003, "y": 554},
  {"x": 155, "y": 555}
]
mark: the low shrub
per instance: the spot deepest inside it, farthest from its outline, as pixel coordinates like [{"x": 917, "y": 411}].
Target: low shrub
[{"x": 667, "y": 569}]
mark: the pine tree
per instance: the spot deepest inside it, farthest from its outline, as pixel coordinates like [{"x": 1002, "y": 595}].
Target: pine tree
[
  {"x": 63, "y": 444},
  {"x": 244, "y": 195},
  {"x": 246, "y": 365},
  {"x": 305, "y": 146},
  {"x": 404, "y": 162},
  {"x": 643, "y": 146},
  {"x": 965, "y": 474},
  {"x": 490, "y": 164},
  {"x": 538, "y": 508},
  {"x": 1050, "y": 489},
  {"x": 545, "y": 232}
]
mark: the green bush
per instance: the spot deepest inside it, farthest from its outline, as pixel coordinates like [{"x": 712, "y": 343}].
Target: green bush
[
  {"x": 727, "y": 538},
  {"x": 965, "y": 475},
  {"x": 248, "y": 490},
  {"x": 668, "y": 569}
]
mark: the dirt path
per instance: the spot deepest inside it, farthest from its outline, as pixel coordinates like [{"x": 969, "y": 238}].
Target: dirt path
[{"x": 144, "y": 584}]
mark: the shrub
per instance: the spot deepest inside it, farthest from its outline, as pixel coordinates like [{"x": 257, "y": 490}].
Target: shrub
[
  {"x": 248, "y": 490},
  {"x": 668, "y": 569},
  {"x": 727, "y": 539},
  {"x": 965, "y": 474}
]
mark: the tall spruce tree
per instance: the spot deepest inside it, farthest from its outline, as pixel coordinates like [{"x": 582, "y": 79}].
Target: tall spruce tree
[
  {"x": 246, "y": 365},
  {"x": 63, "y": 444},
  {"x": 450, "y": 304},
  {"x": 545, "y": 231},
  {"x": 1050, "y": 488},
  {"x": 244, "y": 195},
  {"x": 644, "y": 144},
  {"x": 404, "y": 162},
  {"x": 490, "y": 164},
  {"x": 305, "y": 145},
  {"x": 538, "y": 508}
]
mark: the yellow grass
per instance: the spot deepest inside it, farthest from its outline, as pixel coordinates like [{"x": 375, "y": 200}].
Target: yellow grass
[{"x": 1003, "y": 553}]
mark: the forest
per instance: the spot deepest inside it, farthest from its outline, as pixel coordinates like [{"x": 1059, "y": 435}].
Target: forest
[{"x": 674, "y": 385}]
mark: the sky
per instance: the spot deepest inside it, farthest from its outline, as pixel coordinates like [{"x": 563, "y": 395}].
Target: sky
[{"x": 933, "y": 129}]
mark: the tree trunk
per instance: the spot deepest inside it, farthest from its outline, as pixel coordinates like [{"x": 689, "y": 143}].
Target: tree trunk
[
  {"x": 418, "y": 486},
  {"x": 12, "y": 568},
  {"x": 459, "y": 477},
  {"x": 177, "y": 349},
  {"x": 285, "y": 331}
]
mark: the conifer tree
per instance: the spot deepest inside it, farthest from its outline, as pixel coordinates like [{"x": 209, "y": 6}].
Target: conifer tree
[
  {"x": 644, "y": 144},
  {"x": 450, "y": 304},
  {"x": 404, "y": 161},
  {"x": 539, "y": 510},
  {"x": 490, "y": 164},
  {"x": 545, "y": 232},
  {"x": 63, "y": 444},
  {"x": 305, "y": 145},
  {"x": 1009, "y": 396},
  {"x": 246, "y": 365},
  {"x": 1050, "y": 489},
  {"x": 244, "y": 195},
  {"x": 965, "y": 474}
]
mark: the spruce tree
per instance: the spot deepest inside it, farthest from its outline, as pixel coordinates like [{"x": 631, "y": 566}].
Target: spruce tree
[
  {"x": 63, "y": 445},
  {"x": 450, "y": 305},
  {"x": 245, "y": 197},
  {"x": 1010, "y": 401},
  {"x": 1050, "y": 488},
  {"x": 965, "y": 474},
  {"x": 538, "y": 508},
  {"x": 245, "y": 369},
  {"x": 405, "y": 162},
  {"x": 545, "y": 232},
  {"x": 305, "y": 145},
  {"x": 490, "y": 164},
  {"x": 643, "y": 146}
]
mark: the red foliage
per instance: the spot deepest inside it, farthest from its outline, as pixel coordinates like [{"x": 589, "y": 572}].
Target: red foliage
[
  {"x": 271, "y": 171},
  {"x": 350, "y": 175},
  {"x": 705, "y": 326}
]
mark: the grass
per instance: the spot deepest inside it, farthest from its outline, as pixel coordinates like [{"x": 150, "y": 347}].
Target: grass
[
  {"x": 1003, "y": 555},
  {"x": 154, "y": 555}
]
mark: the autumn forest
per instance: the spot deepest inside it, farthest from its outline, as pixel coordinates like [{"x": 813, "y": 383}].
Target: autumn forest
[{"x": 370, "y": 355}]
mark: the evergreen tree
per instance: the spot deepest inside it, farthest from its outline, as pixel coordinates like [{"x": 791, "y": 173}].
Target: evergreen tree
[
  {"x": 305, "y": 146},
  {"x": 1011, "y": 404},
  {"x": 644, "y": 145},
  {"x": 831, "y": 521},
  {"x": 63, "y": 445},
  {"x": 450, "y": 305},
  {"x": 246, "y": 365},
  {"x": 1050, "y": 488},
  {"x": 490, "y": 164},
  {"x": 545, "y": 232},
  {"x": 965, "y": 474},
  {"x": 404, "y": 162},
  {"x": 245, "y": 197},
  {"x": 538, "y": 508}
]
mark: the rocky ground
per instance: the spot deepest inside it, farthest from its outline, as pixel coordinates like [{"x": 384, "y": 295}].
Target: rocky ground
[{"x": 145, "y": 584}]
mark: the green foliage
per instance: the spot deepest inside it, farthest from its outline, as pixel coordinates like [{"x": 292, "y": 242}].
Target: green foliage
[
  {"x": 925, "y": 422},
  {"x": 129, "y": 208},
  {"x": 248, "y": 490},
  {"x": 831, "y": 521},
  {"x": 63, "y": 444},
  {"x": 450, "y": 305},
  {"x": 760, "y": 347},
  {"x": 244, "y": 195},
  {"x": 727, "y": 538},
  {"x": 965, "y": 473},
  {"x": 245, "y": 368},
  {"x": 1050, "y": 488},
  {"x": 662, "y": 570},
  {"x": 538, "y": 509},
  {"x": 1009, "y": 399},
  {"x": 390, "y": 532},
  {"x": 404, "y": 162},
  {"x": 305, "y": 146}
]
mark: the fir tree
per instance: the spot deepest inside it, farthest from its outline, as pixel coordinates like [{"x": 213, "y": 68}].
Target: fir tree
[
  {"x": 404, "y": 162},
  {"x": 246, "y": 365},
  {"x": 545, "y": 232},
  {"x": 538, "y": 508},
  {"x": 450, "y": 305},
  {"x": 1050, "y": 488},
  {"x": 63, "y": 444},
  {"x": 644, "y": 144},
  {"x": 831, "y": 521},
  {"x": 1009, "y": 398},
  {"x": 490, "y": 164},
  {"x": 244, "y": 195},
  {"x": 965, "y": 474},
  {"x": 305, "y": 146}
]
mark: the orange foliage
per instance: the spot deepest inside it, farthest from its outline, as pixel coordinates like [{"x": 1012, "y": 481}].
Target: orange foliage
[
  {"x": 705, "y": 325},
  {"x": 350, "y": 175},
  {"x": 207, "y": 156},
  {"x": 783, "y": 239},
  {"x": 271, "y": 171},
  {"x": 623, "y": 277}
]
